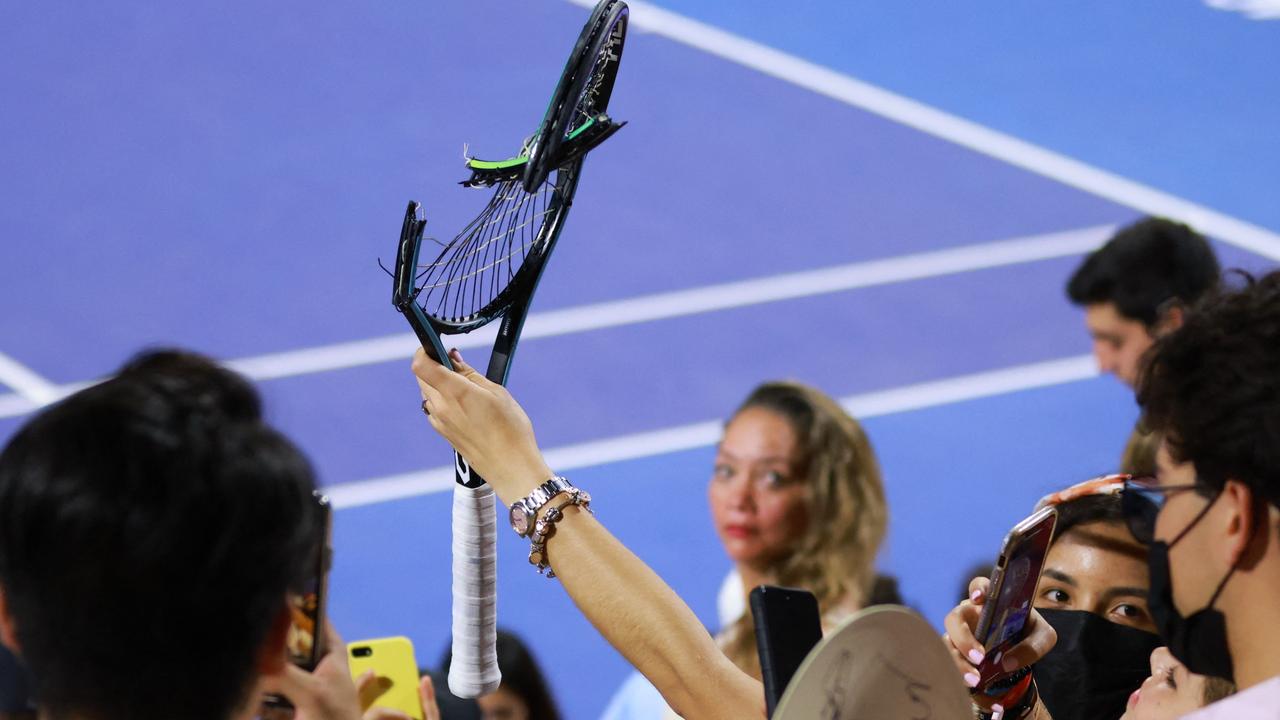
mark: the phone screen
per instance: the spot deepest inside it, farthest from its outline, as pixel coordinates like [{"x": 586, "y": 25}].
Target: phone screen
[
  {"x": 305, "y": 642},
  {"x": 305, "y": 612},
  {"x": 1013, "y": 585},
  {"x": 306, "y": 632}
]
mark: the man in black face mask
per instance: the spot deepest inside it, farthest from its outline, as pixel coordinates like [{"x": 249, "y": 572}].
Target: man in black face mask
[{"x": 1212, "y": 389}]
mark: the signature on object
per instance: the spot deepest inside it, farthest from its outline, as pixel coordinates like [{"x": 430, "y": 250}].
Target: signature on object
[{"x": 837, "y": 688}]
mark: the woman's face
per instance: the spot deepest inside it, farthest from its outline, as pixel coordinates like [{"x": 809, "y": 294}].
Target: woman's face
[
  {"x": 756, "y": 493},
  {"x": 1169, "y": 693},
  {"x": 1099, "y": 568}
]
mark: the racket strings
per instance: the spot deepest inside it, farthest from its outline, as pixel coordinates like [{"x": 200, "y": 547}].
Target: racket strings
[{"x": 483, "y": 259}]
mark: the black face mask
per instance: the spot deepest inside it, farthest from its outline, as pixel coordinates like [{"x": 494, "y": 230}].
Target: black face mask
[
  {"x": 1198, "y": 641},
  {"x": 1094, "y": 667}
]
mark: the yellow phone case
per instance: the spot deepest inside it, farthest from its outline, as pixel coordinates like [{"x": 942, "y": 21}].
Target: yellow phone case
[{"x": 397, "y": 670}]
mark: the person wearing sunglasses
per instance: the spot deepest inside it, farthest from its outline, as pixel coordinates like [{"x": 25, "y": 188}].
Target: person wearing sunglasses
[
  {"x": 1212, "y": 514},
  {"x": 1107, "y": 662},
  {"x": 1092, "y": 593}
]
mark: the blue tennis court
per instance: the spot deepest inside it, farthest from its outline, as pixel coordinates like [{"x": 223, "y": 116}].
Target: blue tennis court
[{"x": 883, "y": 200}]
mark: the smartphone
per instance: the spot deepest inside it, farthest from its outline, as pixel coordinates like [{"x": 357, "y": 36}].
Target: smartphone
[
  {"x": 305, "y": 641},
  {"x": 788, "y": 625},
  {"x": 393, "y": 661},
  {"x": 1012, "y": 594}
]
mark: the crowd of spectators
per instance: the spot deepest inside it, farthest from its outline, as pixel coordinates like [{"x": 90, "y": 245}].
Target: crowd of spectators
[{"x": 153, "y": 528}]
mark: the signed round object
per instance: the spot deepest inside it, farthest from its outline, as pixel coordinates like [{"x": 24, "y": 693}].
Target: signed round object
[{"x": 885, "y": 663}]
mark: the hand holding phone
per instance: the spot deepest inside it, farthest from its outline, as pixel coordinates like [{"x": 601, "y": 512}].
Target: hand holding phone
[
  {"x": 998, "y": 624},
  {"x": 396, "y": 672},
  {"x": 788, "y": 625},
  {"x": 325, "y": 693},
  {"x": 306, "y": 640}
]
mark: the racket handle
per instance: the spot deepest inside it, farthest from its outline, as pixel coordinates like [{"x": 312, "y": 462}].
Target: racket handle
[
  {"x": 474, "y": 669},
  {"x": 463, "y": 474}
]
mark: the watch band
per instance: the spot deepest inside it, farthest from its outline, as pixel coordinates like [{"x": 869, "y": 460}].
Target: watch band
[{"x": 525, "y": 510}]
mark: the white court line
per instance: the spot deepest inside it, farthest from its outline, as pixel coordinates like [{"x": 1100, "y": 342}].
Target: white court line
[
  {"x": 700, "y": 434},
  {"x": 825, "y": 81},
  {"x": 29, "y": 386},
  {"x": 13, "y": 405},
  {"x": 679, "y": 303}
]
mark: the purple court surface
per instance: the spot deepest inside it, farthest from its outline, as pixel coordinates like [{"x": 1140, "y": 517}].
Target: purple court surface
[{"x": 883, "y": 202}]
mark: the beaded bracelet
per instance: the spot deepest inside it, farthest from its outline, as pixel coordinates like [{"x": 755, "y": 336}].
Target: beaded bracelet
[{"x": 546, "y": 527}]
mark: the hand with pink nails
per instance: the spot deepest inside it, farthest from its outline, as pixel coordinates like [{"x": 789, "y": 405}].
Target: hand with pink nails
[
  {"x": 622, "y": 597},
  {"x": 968, "y": 653},
  {"x": 483, "y": 423}
]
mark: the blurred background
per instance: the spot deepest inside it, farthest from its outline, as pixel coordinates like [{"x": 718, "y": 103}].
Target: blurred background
[{"x": 881, "y": 199}]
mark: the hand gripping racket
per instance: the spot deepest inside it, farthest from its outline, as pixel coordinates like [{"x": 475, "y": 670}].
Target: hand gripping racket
[{"x": 489, "y": 271}]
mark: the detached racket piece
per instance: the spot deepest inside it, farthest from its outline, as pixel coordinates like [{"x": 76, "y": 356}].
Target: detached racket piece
[{"x": 490, "y": 271}]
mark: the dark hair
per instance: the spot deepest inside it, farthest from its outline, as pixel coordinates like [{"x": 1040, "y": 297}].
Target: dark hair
[
  {"x": 1213, "y": 388},
  {"x": 1086, "y": 510},
  {"x": 151, "y": 528},
  {"x": 1145, "y": 265},
  {"x": 520, "y": 675}
]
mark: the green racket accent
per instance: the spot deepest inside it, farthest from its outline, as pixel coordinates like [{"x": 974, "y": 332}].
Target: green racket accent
[
  {"x": 588, "y": 135},
  {"x": 581, "y": 129},
  {"x": 497, "y": 164},
  {"x": 519, "y": 160}
]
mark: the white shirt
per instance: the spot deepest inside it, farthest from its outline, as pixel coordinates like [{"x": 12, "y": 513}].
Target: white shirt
[{"x": 1260, "y": 702}]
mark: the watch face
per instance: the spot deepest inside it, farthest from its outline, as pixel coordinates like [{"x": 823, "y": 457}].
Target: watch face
[{"x": 519, "y": 520}]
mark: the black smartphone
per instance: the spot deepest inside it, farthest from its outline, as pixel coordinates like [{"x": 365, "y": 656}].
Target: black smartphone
[
  {"x": 1014, "y": 581},
  {"x": 305, "y": 642},
  {"x": 788, "y": 625}
]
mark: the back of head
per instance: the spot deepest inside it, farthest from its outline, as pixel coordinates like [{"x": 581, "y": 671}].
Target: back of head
[
  {"x": 151, "y": 527},
  {"x": 1139, "y": 457},
  {"x": 1212, "y": 388},
  {"x": 1143, "y": 267}
]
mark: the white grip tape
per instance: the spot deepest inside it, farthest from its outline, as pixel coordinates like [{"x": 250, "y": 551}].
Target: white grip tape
[{"x": 474, "y": 669}]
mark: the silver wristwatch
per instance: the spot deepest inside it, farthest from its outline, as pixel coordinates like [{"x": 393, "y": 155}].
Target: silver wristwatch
[{"x": 525, "y": 511}]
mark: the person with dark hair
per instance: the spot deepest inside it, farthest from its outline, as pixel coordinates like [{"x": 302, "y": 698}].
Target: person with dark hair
[
  {"x": 1212, "y": 390},
  {"x": 1137, "y": 286},
  {"x": 524, "y": 693},
  {"x": 152, "y": 529},
  {"x": 1211, "y": 517},
  {"x": 1092, "y": 595}
]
